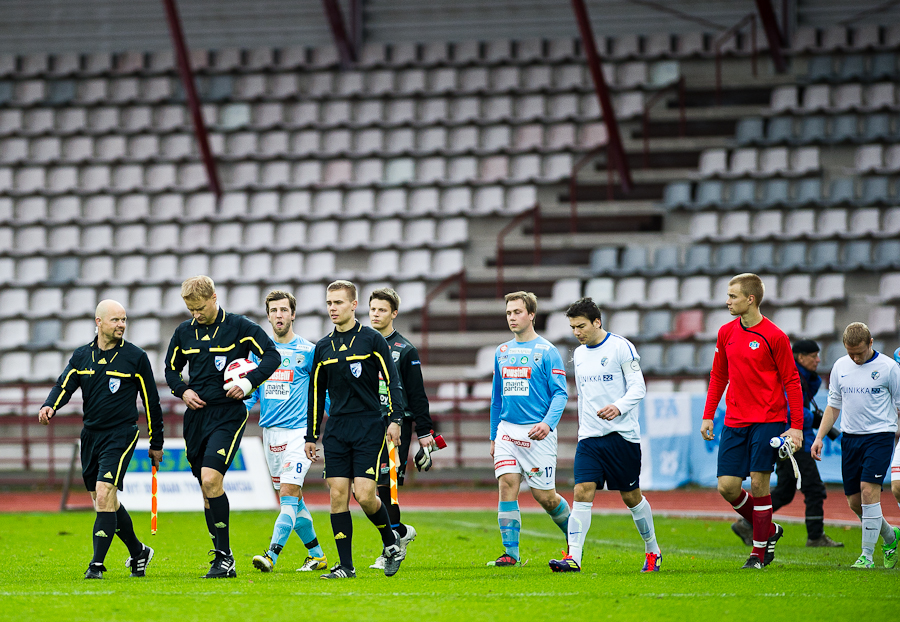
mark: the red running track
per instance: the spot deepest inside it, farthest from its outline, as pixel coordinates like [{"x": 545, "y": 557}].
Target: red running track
[{"x": 687, "y": 503}]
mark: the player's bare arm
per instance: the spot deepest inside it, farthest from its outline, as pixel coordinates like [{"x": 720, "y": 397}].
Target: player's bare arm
[{"x": 828, "y": 418}]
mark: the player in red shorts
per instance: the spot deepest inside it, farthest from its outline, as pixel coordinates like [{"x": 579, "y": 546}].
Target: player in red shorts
[{"x": 753, "y": 359}]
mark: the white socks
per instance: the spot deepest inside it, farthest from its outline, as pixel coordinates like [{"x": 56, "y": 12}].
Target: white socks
[
  {"x": 579, "y": 524},
  {"x": 871, "y": 528},
  {"x": 643, "y": 520}
]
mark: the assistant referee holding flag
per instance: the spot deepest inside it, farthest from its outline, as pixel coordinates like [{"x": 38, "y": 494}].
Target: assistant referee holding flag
[
  {"x": 111, "y": 373},
  {"x": 348, "y": 363},
  {"x": 216, "y": 416}
]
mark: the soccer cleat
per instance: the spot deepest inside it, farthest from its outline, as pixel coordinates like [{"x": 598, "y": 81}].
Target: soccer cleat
[
  {"x": 566, "y": 564},
  {"x": 743, "y": 530},
  {"x": 505, "y": 560},
  {"x": 139, "y": 564},
  {"x": 890, "y": 550},
  {"x": 652, "y": 562},
  {"x": 339, "y": 572},
  {"x": 392, "y": 559},
  {"x": 313, "y": 563},
  {"x": 863, "y": 563},
  {"x": 263, "y": 562},
  {"x": 405, "y": 540},
  {"x": 95, "y": 571},
  {"x": 753, "y": 563},
  {"x": 823, "y": 541},
  {"x": 222, "y": 567},
  {"x": 378, "y": 564},
  {"x": 770, "y": 544}
]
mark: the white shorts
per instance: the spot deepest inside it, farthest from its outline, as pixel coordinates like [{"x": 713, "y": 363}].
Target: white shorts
[
  {"x": 895, "y": 465},
  {"x": 514, "y": 452},
  {"x": 285, "y": 455}
]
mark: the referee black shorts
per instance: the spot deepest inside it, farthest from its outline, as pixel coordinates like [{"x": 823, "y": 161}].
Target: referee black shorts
[
  {"x": 105, "y": 455},
  {"x": 354, "y": 446},
  {"x": 212, "y": 436},
  {"x": 384, "y": 477}
]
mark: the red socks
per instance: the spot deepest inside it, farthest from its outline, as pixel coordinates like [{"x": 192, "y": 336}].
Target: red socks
[{"x": 763, "y": 528}]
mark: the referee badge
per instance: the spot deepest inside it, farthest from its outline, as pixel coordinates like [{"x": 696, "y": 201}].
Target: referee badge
[
  {"x": 114, "y": 384},
  {"x": 220, "y": 362},
  {"x": 356, "y": 369}
]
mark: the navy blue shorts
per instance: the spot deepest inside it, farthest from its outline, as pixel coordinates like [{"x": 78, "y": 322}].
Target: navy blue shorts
[
  {"x": 608, "y": 459},
  {"x": 865, "y": 458},
  {"x": 746, "y": 450}
]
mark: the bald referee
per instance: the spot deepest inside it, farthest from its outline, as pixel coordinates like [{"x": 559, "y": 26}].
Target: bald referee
[{"x": 111, "y": 373}]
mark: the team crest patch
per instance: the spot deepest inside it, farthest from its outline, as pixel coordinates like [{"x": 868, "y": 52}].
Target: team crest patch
[
  {"x": 537, "y": 357},
  {"x": 875, "y": 375},
  {"x": 395, "y": 355},
  {"x": 356, "y": 369},
  {"x": 604, "y": 361},
  {"x": 220, "y": 362},
  {"x": 754, "y": 345},
  {"x": 300, "y": 359},
  {"x": 523, "y": 360},
  {"x": 115, "y": 383}
]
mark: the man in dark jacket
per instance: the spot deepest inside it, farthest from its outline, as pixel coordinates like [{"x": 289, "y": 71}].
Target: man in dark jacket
[{"x": 806, "y": 356}]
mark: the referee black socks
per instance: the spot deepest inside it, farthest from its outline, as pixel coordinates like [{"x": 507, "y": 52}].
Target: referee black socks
[
  {"x": 219, "y": 510},
  {"x": 104, "y": 530},
  {"x": 125, "y": 531},
  {"x": 342, "y": 525},
  {"x": 384, "y": 493},
  {"x": 382, "y": 521}
]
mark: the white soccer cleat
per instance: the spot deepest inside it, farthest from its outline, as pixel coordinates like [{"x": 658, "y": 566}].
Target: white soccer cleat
[
  {"x": 404, "y": 541},
  {"x": 263, "y": 562},
  {"x": 378, "y": 564},
  {"x": 313, "y": 563}
]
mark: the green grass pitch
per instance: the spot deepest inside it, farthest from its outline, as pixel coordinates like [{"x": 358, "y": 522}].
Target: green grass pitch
[{"x": 43, "y": 558}]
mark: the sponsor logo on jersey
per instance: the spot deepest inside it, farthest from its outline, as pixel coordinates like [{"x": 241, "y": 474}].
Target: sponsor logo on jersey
[
  {"x": 524, "y": 360},
  {"x": 541, "y": 346},
  {"x": 277, "y": 448},
  {"x": 875, "y": 375},
  {"x": 219, "y": 362},
  {"x": 871, "y": 391},
  {"x": 516, "y": 372},
  {"x": 607, "y": 377},
  {"x": 286, "y": 467},
  {"x": 516, "y": 441},
  {"x": 282, "y": 375},
  {"x": 559, "y": 372},
  {"x": 604, "y": 361},
  {"x": 286, "y": 361},
  {"x": 534, "y": 472},
  {"x": 504, "y": 348},
  {"x": 415, "y": 362},
  {"x": 754, "y": 345},
  {"x": 115, "y": 383},
  {"x": 399, "y": 345},
  {"x": 520, "y": 350},
  {"x": 356, "y": 369},
  {"x": 504, "y": 463},
  {"x": 304, "y": 348}
]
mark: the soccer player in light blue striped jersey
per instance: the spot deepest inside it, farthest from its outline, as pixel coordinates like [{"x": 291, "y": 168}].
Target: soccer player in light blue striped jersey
[
  {"x": 528, "y": 397},
  {"x": 610, "y": 387},
  {"x": 282, "y": 416}
]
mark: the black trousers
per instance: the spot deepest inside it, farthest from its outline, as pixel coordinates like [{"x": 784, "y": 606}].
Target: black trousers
[{"x": 811, "y": 486}]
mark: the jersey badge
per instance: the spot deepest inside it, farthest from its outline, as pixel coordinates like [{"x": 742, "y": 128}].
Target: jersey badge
[
  {"x": 395, "y": 355},
  {"x": 635, "y": 366},
  {"x": 300, "y": 359},
  {"x": 286, "y": 361},
  {"x": 538, "y": 356},
  {"x": 399, "y": 345},
  {"x": 875, "y": 375},
  {"x": 504, "y": 348},
  {"x": 754, "y": 345},
  {"x": 115, "y": 383},
  {"x": 356, "y": 369},
  {"x": 604, "y": 361},
  {"x": 220, "y": 362},
  {"x": 523, "y": 360}
]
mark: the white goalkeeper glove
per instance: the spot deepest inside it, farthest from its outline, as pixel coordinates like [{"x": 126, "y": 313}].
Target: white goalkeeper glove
[
  {"x": 423, "y": 459},
  {"x": 243, "y": 383}
]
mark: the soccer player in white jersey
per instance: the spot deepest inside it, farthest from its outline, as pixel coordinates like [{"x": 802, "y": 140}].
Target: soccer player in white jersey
[
  {"x": 282, "y": 416},
  {"x": 527, "y": 400},
  {"x": 865, "y": 389},
  {"x": 610, "y": 387}
]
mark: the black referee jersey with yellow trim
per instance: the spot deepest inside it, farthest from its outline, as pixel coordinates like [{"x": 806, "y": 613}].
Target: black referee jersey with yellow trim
[
  {"x": 347, "y": 365},
  {"x": 110, "y": 382},
  {"x": 207, "y": 349}
]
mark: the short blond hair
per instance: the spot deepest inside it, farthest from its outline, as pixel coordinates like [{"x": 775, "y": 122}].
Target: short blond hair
[
  {"x": 751, "y": 285},
  {"x": 198, "y": 288},
  {"x": 342, "y": 284},
  {"x": 857, "y": 333},
  {"x": 528, "y": 298}
]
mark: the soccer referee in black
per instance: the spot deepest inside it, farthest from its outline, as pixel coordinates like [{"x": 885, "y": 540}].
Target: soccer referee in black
[
  {"x": 111, "y": 373},
  {"x": 348, "y": 364},
  {"x": 384, "y": 305},
  {"x": 215, "y": 419}
]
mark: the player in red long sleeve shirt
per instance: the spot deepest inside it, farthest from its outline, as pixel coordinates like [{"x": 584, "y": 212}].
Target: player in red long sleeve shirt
[{"x": 753, "y": 359}]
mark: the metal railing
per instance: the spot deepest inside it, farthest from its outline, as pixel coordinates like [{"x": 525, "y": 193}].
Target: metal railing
[{"x": 534, "y": 212}]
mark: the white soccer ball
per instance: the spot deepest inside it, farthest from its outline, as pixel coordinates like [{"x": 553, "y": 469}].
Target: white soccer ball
[{"x": 237, "y": 369}]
